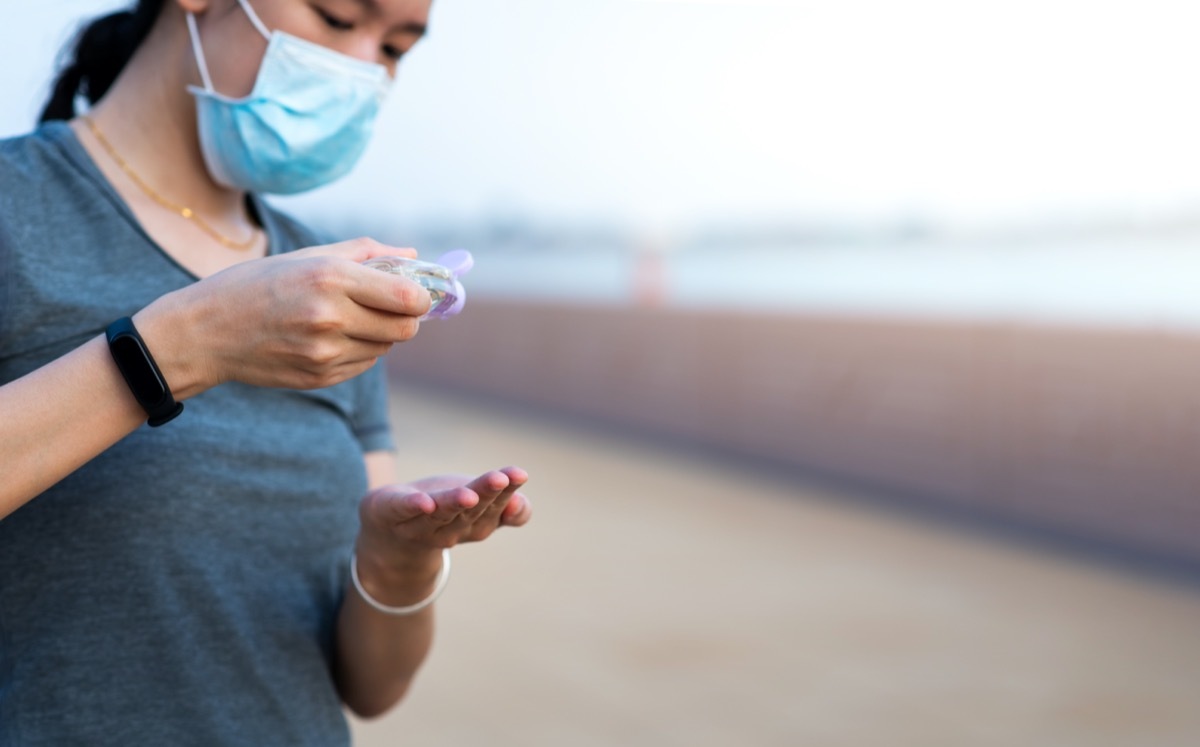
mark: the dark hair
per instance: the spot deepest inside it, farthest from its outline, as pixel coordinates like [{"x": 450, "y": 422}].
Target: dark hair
[{"x": 97, "y": 56}]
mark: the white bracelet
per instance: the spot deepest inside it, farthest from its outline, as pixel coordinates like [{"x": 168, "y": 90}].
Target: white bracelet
[{"x": 443, "y": 577}]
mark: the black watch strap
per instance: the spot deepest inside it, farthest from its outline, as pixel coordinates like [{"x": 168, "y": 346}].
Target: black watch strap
[{"x": 141, "y": 372}]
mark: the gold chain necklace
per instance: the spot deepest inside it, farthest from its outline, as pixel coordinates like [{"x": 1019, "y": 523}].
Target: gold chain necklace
[{"x": 186, "y": 212}]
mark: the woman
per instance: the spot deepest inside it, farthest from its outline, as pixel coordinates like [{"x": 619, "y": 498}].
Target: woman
[{"x": 192, "y": 583}]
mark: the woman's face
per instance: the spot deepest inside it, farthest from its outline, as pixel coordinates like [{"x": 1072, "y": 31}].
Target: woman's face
[{"x": 378, "y": 31}]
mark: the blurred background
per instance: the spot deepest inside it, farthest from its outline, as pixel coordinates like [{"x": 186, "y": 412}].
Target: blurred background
[{"x": 852, "y": 348}]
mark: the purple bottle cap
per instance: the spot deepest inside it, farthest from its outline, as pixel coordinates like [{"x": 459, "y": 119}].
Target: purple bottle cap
[
  {"x": 460, "y": 300},
  {"x": 459, "y": 262}
]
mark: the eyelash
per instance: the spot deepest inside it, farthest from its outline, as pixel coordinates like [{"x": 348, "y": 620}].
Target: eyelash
[
  {"x": 389, "y": 51},
  {"x": 334, "y": 22}
]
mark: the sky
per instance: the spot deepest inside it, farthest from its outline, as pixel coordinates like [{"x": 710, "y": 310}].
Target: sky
[{"x": 664, "y": 113}]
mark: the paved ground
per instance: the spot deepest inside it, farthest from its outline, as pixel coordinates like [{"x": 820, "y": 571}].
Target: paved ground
[{"x": 664, "y": 600}]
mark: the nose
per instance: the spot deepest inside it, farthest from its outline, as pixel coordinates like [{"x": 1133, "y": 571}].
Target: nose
[{"x": 365, "y": 46}]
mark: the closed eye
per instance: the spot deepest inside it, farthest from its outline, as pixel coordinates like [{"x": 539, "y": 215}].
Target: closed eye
[{"x": 334, "y": 22}]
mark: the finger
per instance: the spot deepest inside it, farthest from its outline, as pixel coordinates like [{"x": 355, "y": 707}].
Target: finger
[
  {"x": 453, "y": 504},
  {"x": 518, "y": 512},
  {"x": 490, "y": 486},
  {"x": 372, "y": 325},
  {"x": 386, "y": 292},
  {"x": 395, "y": 504},
  {"x": 516, "y": 475},
  {"x": 357, "y": 356},
  {"x": 365, "y": 352},
  {"x": 441, "y": 482},
  {"x": 342, "y": 371},
  {"x": 517, "y": 478},
  {"x": 362, "y": 249}
]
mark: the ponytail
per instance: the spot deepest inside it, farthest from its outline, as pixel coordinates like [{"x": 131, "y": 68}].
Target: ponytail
[{"x": 97, "y": 56}]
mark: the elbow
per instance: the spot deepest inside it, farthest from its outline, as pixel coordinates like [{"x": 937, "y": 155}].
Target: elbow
[{"x": 368, "y": 706}]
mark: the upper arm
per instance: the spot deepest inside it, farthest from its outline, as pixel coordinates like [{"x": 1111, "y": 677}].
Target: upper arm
[
  {"x": 6, "y": 274},
  {"x": 381, "y": 468},
  {"x": 369, "y": 416}
]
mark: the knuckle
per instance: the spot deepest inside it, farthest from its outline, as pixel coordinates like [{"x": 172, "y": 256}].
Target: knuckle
[
  {"x": 357, "y": 245},
  {"x": 309, "y": 380},
  {"x": 407, "y": 330},
  {"x": 365, "y": 243},
  {"x": 323, "y": 275},
  {"x": 321, "y": 355},
  {"x": 321, "y": 316}
]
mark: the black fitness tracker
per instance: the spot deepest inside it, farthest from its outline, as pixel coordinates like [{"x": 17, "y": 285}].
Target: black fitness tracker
[{"x": 141, "y": 372}]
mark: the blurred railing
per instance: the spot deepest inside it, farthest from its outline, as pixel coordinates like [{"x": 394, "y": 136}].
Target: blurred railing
[{"x": 1089, "y": 431}]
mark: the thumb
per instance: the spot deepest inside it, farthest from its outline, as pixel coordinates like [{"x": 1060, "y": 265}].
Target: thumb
[{"x": 362, "y": 249}]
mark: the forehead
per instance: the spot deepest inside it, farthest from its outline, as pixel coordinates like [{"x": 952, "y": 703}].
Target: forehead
[{"x": 398, "y": 12}]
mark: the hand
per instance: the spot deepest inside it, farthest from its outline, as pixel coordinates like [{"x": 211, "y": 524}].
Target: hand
[
  {"x": 406, "y": 526},
  {"x": 303, "y": 320}
]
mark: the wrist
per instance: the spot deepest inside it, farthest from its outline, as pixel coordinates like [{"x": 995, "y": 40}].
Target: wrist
[
  {"x": 165, "y": 326},
  {"x": 141, "y": 373},
  {"x": 398, "y": 576}
]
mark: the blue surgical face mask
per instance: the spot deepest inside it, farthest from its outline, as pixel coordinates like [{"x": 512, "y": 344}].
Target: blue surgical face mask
[{"x": 305, "y": 124}]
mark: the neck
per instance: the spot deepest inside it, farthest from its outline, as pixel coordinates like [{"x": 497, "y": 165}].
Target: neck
[{"x": 150, "y": 118}]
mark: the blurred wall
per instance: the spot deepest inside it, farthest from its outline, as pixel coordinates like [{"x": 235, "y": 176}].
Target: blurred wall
[{"x": 1089, "y": 431}]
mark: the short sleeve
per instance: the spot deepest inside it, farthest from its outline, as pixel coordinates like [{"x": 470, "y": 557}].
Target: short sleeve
[
  {"x": 371, "y": 423},
  {"x": 6, "y": 280}
]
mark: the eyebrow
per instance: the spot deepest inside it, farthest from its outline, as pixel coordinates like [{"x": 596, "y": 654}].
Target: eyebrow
[{"x": 411, "y": 27}]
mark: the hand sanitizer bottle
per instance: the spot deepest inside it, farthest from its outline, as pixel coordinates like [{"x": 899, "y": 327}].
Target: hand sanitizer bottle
[{"x": 439, "y": 278}]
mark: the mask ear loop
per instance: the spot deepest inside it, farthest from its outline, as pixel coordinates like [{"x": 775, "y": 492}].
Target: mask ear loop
[
  {"x": 258, "y": 24},
  {"x": 198, "y": 50}
]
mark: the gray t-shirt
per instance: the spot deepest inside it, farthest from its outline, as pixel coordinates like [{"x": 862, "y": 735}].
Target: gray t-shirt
[{"x": 182, "y": 587}]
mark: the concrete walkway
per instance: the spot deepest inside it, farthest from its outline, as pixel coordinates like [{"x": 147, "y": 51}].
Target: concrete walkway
[{"x": 659, "y": 599}]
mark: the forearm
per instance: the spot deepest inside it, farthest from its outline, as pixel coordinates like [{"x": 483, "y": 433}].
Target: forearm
[
  {"x": 404, "y": 527},
  {"x": 57, "y": 418},
  {"x": 378, "y": 654}
]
